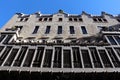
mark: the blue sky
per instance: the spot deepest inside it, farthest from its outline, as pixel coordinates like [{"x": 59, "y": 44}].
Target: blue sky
[{"x": 9, "y": 7}]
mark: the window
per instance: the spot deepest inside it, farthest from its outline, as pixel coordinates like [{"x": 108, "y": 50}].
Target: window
[
  {"x": 21, "y": 19},
  {"x": 99, "y": 19},
  {"x": 105, "y": 58},
  {"x": 24, "y": 19},
  {"x": 84, "y": 31},
  {"x": 59, "y": 30},
  {"x": 50, "y": 19},
  {"x": 72, "y": 31},
  {"x": 36, "y": 29},
  {"x": 104, "y": 20},
  {"x": 94, "y": 19},
  {"x": 112, "y": 41},
  {"x": 114, "y": 58},
  {"x": 60, "y": 19},
  {"x": 40, "y": 19},
  {"x": 70, "y": 19},
  {"x": 117, "y": 39},
  {"x": 86, "y": 59},
  {"x": 47, "y": 30},
  {"x": 95, "y": 57},
  {"x": 80, "y": 19},
  {"x": 45, "y": 19},
  {"x": 67, "y": 58},
  {"x": 75, "y": 19},
  {"x": 20, "y": 28},
  {"x": 118, "y": 20}
]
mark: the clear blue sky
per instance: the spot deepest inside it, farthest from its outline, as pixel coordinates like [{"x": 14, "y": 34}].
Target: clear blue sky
[{"x": 9, "y": 7}]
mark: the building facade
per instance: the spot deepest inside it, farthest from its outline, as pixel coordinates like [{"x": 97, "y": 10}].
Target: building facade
[{"x": 60, "y": 46}]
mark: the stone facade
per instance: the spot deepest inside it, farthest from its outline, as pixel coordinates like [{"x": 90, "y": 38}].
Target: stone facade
[{"x": 60, "y": 46}]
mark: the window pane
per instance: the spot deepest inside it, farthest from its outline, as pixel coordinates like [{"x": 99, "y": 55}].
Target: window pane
[
  {"x": 47, "y": 30},
  {"x": 48, "y": 58},
  {"x": 72, "y": 31},
  {"x": 38, "y": 58},
  {"x": 57, "y": 57},
  {"x": 84, "y": 31},
  {"x": 112, "y": 41},
  {"x": 76, "y": 57},
  {"x": 59, "y": 30},
  {"x": 67, "y": 59},
  {"x": 86, "y": 59},
  {"x": 95, "y": 57},
  {"x": 36, "y": 29},
  {"x": 114, "y": 58},
  {"x": 105, "y": 58},
  {"x": 117, "y": 39}
]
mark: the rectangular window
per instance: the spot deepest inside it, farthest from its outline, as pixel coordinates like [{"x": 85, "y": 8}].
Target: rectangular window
[
  {"x": 80, "y": 19},
  {"x": 86, "y": 59},
  {"x": 117, "y": 39},
  {"x": 48, "y": 58},
  {"x": 60, "y": 19},
  {"x": 59, "y": 30},
  {"x": 105, "y": 58},
  {"x": 76, "y": 57},
  {"x": 72, "y": 31},
  {"x": 50, "y": 19},
  {"x": 40, "y": 19},
  {"x": 57, "y": 57},
  {"x": 105, "y": 20},
  {"x": 45, "y": 19},
  {"x": 47, "y": 30},
  {"x": 36, "y": 29},
  {"x": 70, "y": 19},
  {"x": 75, "y": 19},
  {"x": 95, "y": 57},
  {"x": 94, "y": 19},
  {"x": 38, "y": 57},
  {"x": 67, "y": 59},
  {"x": 114, "y": 58},
  {"x": 112, "y": 41},
  {"x": 118, "y": 20},
  {"x": 84, "y": 31}
]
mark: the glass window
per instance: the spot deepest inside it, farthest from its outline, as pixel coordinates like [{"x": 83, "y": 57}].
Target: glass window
[
  {"x": 105, "y": 58},
  {"x": 94, "y": 19},
  {"x": 114, "y": 58},
  {"x": 84, "y": 31},
  {"x": 118, "y": 20},
  {"x": 60, "y": 19},
  {"x": 72, "y": 31},
  {"x": 117, "y": 39},
  {"x": 112, "y": 41},
  {"x": 80, "y": 19},
  {"x": 57, "y": 57},
  {"x": 59, "y": 30},
  {"x": 40, "y": 19},
  {"x": 104, "y": 20},
  {"x": 36, "y": 29},
  {"x": 67, "y": 59},
  {"x": 48, "y": 58},
  {"x": 76, "y": 57},
  {"x": 70, "y": 19},
  {"x": 45, "y": 19},
  {"x": 47, "y": 30},
  {"x": 95, "y": 57},
  {"x": 75, "y": 19},
  {"x": 26, "y": 19},
  {"x": 86, "y": 59},
  {"x": 50, "y": 19}
]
